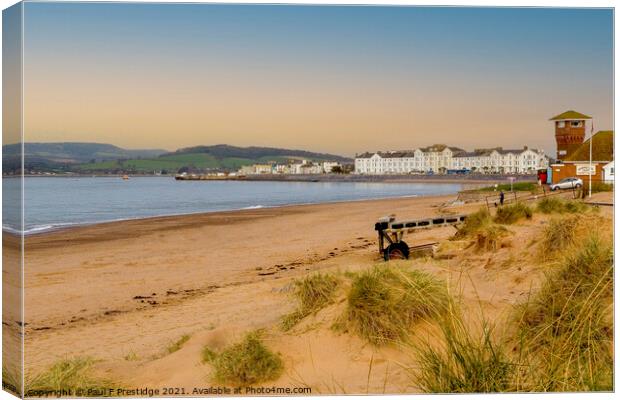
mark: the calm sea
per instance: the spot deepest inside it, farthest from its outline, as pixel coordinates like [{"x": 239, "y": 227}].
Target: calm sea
[{"x": 58, "y": 202}]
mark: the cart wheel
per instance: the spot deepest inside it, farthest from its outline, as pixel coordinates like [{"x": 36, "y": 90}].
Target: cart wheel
[{"x": 396, "y": 251}]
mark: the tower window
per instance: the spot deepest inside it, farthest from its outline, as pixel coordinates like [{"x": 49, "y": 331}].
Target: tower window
[
  {"x": 560, "y": 124},
  {"x": 576, "y": 124}
]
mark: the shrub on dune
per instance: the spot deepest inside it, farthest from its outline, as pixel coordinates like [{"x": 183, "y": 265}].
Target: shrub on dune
[
  {"x": 566, "y": 327},
  {"x": 564, "y": 332},
  {"x": 69, "y": 374},
  {"x": 245, "y": 363},
  {"x": 383, "y": 302},
  {"x": 11, "y": 380},
  {"x": 480, "y": 227},
  {"x": 559, "y": 234},
  {"x": 313, "y": 293},
  {"x": 512, "y": 213},
  {"x": 549, "y": 205},
  {"x": 489, "y": 238},
  {"x": 602, "y": 187},
  {"x": 176, "y": 346},
  {"x": 464, "y": 361},
  {"x": 473, "y": 223}
]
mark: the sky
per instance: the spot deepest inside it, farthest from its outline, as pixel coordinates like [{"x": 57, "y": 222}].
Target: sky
[{"x": 337, "y": 79}]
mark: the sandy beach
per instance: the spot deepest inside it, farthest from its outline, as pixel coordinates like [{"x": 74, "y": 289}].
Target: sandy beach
[{"x": 121, "y": 292}]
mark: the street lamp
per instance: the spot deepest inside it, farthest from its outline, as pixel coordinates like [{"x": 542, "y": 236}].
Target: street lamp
[
  {"x": 511, "y": 179},
  {"x": 590, "y": 167}
]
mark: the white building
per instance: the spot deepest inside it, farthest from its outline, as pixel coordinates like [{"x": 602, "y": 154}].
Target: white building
[
  {"x": 256, "y": 169},
  {"x": 608, "y": 172},
  {"x": 441, "y": 158},
  {"x": 329, "y": 165},
  {"x": 311, "y": 169}
]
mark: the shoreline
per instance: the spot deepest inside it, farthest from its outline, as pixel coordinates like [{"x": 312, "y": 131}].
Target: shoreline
[
  {"x": 170, "y": 259},
  {"x": 88, "y": 232},
  {"x": 62, "y": 227},
  {"x": 331, "y": 178}
]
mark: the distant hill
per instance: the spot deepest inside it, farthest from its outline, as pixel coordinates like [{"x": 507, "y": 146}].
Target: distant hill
[
  {"x": 76, "y": 152},
  {"x": 61, "y": 156},
  {"x": 105, "y": 158},
  {"x": 253, "y": 152}
]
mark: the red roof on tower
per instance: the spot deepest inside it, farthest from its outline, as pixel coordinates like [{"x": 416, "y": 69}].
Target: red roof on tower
[{"x": 570, "y": 115}]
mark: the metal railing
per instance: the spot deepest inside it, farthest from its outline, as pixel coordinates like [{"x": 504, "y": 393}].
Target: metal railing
[{"x": 513, "y": 197}]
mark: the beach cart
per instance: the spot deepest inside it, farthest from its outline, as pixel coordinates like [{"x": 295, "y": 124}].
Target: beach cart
[{"x": 391, "y": 232}]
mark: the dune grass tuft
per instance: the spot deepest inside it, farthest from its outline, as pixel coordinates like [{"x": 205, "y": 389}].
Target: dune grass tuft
[
  {"x": 245, "y": 363},
  {"x": 566, "y": 328},
  {"x": 559, "y": 234},
  {"x": 473, "y": 223},
  {"x": 512, "y": 213},
  {"x": 384, "y": 301},
  {"x": 11, "y": 380},
  {"x": 70, "y": 375},
  {"x": 480, "y": 226},
  {"x": 464, "y": 362},
  {"x": 564, "y": 332},
  {"x": 507, "y": 187},
  {"x": 489, "y": 237},
  {"x": 313, "y": 293},
  {"x": 549, "y": 205},
  {"x": 176, "y": 346},
  {"x": 601, "y": 187}
]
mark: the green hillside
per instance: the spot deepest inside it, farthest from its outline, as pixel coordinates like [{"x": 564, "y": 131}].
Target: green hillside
[
  {"x": 98, "y": 158},
  {"x": 76, "y": 152},
  {"x": 172, "y": 163}
]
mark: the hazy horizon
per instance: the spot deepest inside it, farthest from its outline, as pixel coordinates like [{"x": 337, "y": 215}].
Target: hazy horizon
[{"x": 333, "y": 79}]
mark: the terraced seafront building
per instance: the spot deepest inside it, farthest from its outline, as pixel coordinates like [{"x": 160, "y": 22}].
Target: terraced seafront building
[{"x": 441, "y": 159}]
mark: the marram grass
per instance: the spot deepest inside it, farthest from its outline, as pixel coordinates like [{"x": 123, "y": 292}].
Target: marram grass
[
  {"x": 244, "y": 363},
  {"x": 566, "y": 328},
  {"x": 313, "y": 293},
  {"x": 385, "y": 301},
  {"x": 512, "y": 213},
  {"x": 473, "y": 223},
  {"x": 176, "y": 346},
  {"x": 563, "y": 340},
  {"x": 74, "y": 374},
  {"x": 549, "y": 205},
  {"x": 464, "y": 361},
  {"x": 480, "y": 227}
]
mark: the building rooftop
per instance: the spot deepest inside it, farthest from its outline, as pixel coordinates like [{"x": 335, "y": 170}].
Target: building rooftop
[
  {"x": 439, "y": 148},
  {"x": 568, "y": 115},
  {"x": 464, "y": 154},
  {"x": 387, "y": 154},
  {"x": 602, "y": 148},
  {"x": 457, "y": 152}
]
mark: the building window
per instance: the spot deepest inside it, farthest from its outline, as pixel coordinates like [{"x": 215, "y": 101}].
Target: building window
[
  {"x": 576, "y": 124},
  {"x": 560, "y": 124}
]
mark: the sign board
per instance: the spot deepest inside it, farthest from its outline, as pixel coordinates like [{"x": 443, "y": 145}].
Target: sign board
[{"x": 584, "y": 169}]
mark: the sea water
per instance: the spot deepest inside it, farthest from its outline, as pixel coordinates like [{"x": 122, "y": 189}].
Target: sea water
[{"x": 55, "y": 202}]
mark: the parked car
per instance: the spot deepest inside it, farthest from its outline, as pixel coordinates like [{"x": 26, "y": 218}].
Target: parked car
[{"x": 567, "y": 183}]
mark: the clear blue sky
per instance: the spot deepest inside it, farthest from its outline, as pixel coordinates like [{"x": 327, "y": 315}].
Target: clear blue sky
[{"x": 327, "y": 78}]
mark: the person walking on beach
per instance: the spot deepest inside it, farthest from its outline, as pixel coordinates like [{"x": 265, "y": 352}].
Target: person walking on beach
[{"x": 501, "y": 197}]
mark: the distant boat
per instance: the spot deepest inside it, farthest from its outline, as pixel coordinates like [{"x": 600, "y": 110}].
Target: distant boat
[{"x": 125, "y": 177}]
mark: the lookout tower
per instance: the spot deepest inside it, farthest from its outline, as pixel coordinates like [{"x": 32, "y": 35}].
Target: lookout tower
[{"x": 570, "y": 132}]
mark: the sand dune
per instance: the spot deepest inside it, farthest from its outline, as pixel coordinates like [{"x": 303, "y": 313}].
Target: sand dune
[{"x": 122, "y": 292}]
